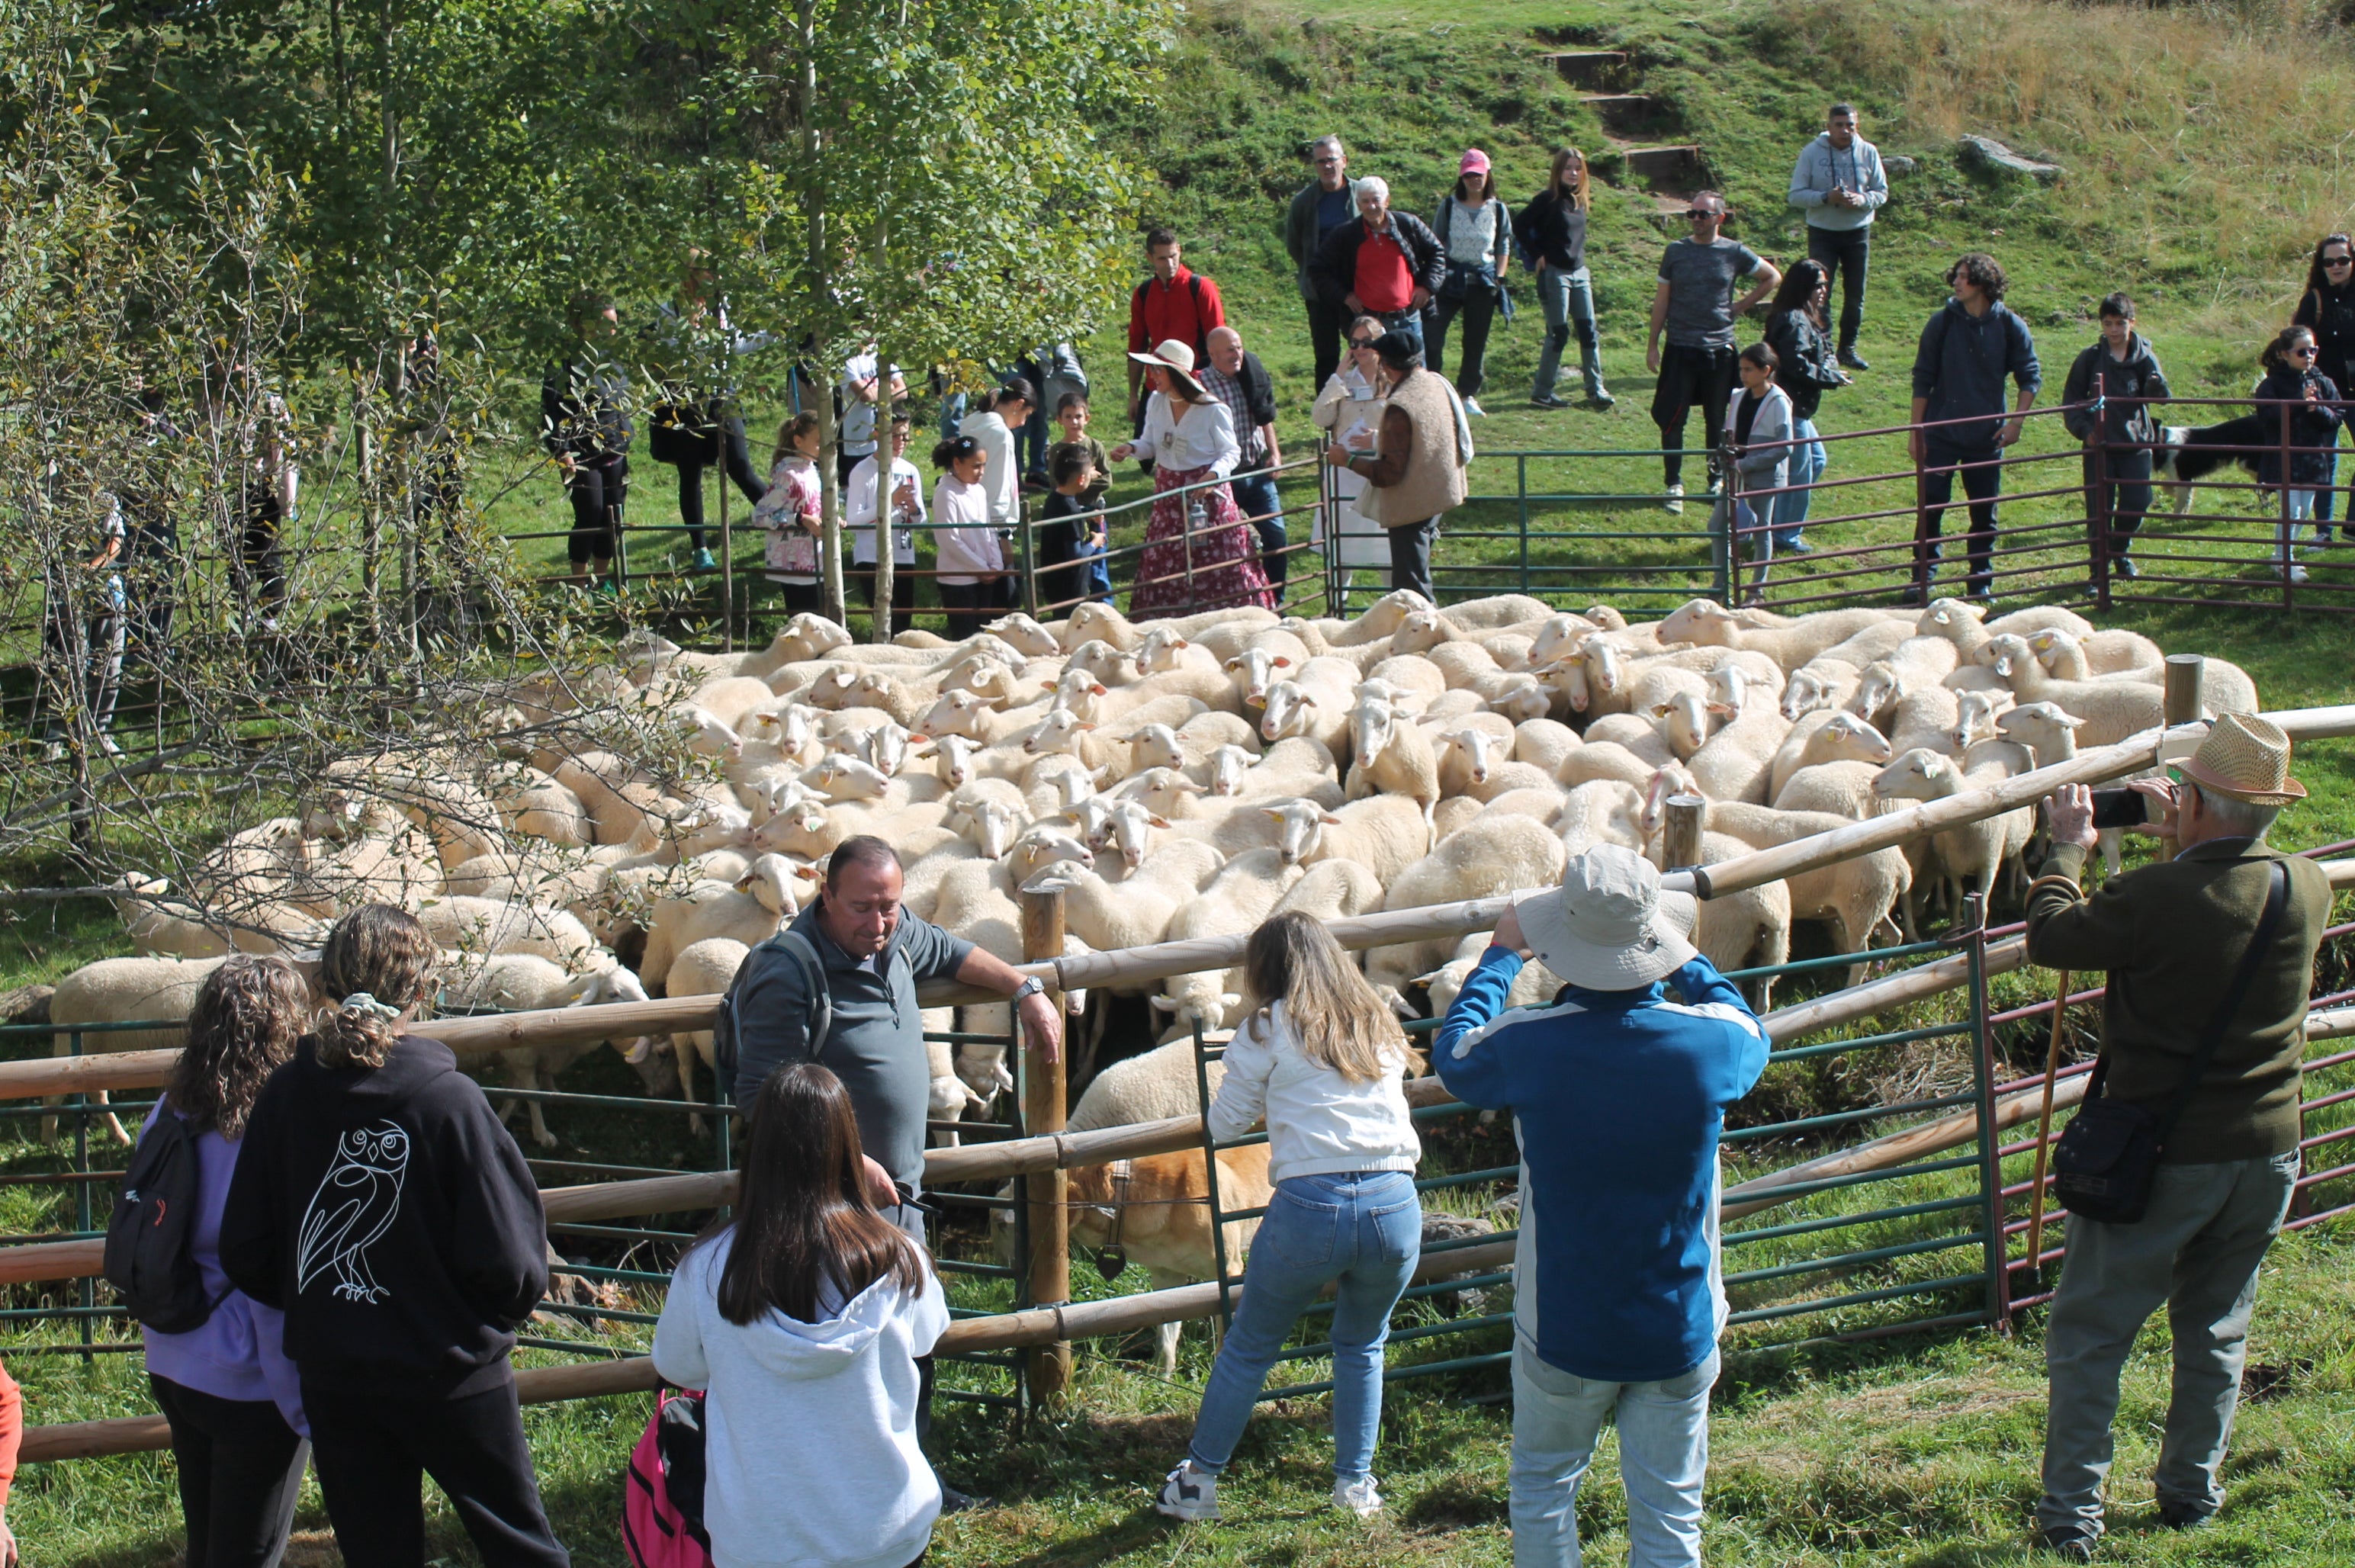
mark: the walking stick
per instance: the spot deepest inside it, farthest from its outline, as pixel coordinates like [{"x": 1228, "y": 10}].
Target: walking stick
[{"x": 2044, "y": 1132}]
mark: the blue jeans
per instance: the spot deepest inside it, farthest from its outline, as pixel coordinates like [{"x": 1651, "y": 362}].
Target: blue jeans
[
  {"x": 1663, "y": 1455},
  {"x": 1363, "y": 1229},
  {"x": 1256, "y": 499},
  {"x": 1806, "y": 465},
  {"x": 2196, "y": 1252},
  {"x": 1568, "y": 299}
]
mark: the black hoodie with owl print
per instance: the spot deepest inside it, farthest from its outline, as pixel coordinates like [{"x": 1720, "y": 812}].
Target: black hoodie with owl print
[{"x": 391, "y": 1218}]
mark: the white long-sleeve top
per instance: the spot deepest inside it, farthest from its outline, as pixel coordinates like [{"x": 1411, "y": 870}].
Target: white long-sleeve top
[
  {"x": 962, "y": 539},
  {"x": 858, "y": 512},
  {"x": 1203, "y": 436},
  {"x": 810, "y": 1428},
  {"x": 1319, "y": 1120},
  {"x": 1001, "y": 480}
]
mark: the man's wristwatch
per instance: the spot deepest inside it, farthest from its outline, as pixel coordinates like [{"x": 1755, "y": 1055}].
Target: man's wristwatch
[{"x": 1032, "y": 985}]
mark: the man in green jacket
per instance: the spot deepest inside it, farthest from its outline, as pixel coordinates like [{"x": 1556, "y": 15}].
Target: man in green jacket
[
  {"x": 2171, "y": 935},
  {"x": 1322, "y": 205}
]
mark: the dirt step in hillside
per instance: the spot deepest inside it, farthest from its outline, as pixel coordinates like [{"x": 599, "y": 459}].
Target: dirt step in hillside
[{"x": 1669, "y": 172}]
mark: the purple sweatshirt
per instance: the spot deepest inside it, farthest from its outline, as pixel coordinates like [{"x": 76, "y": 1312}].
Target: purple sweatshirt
[{"x": 239, "y": 1353}]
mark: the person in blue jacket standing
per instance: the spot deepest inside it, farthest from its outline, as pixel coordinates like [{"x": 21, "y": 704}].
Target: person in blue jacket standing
[{"x": 1618, "y": 1092}]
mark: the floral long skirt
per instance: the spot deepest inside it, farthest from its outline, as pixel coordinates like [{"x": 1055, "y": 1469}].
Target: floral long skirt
[{"x": 1216, "y": 568}]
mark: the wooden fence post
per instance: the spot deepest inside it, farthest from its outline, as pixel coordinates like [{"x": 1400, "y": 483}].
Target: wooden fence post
[
  {"x": 1050, "y": 1366},
  {"x": 2187, "y": 676},
  {"x": 1681, "y": 835}
]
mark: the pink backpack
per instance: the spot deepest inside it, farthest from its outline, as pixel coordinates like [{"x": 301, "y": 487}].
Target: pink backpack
[{"x": 662, "y": 1511}]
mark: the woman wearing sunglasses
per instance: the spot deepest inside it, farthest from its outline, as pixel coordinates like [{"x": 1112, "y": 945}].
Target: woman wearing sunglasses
[
  {"x": 2328, "y": 308},
  {"x": 1349, "y": 408},
  {"x": 2292, "y": 383}
]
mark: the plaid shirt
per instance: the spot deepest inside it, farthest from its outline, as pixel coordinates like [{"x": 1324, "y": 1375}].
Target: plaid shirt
[{"x": 1229, "y": 390}]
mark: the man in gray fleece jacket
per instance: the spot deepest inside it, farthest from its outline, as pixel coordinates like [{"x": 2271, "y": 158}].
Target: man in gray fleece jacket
[{"x": 1839, "y": 184}]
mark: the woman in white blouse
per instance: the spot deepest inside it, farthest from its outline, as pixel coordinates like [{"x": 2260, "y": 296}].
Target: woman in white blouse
[
  {"x": 1349, "y": 408},
  {"x": 1198, "y": 553},
  {"x": 971, "y": 563}
]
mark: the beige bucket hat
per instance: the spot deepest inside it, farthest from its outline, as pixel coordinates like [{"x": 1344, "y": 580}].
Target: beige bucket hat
[{"x": 1609, "y": 926}]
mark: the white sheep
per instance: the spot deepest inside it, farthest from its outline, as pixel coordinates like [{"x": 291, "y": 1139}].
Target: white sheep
[
  {"x": 1481, "y": 860},
  {"x": 1970, "y": 855},
  {"x": 1384, "y": 833},
  {"x": 491, "y": 925},
  {"x": 524, "y": 982},
  {"x": 1244, "y": 893},
  {"x": 749, "y": 910},
  {"x": 123, "y": 990}
]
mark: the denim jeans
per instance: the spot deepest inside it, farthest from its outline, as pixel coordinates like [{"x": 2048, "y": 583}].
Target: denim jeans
[
  {"x": 1363, "y": 1229},
  {"x": 2125, "y": 472},
  {"x": 1663, "y": 1455},
  {"x": 1808, "y": 464},
  {"x": 1568, "y": 299},
  {"x": 1256, "y": 499},
  {"x": 2197, "y": 1252}
]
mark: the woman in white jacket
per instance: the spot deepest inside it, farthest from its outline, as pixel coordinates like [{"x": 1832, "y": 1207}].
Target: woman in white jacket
[
  {"x": 803, "y": 1317},
  {"x": 1321, "y": 1057}
]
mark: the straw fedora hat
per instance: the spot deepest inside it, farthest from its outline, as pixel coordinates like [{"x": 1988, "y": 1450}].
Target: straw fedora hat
[
  {"x": 1178, "y": 358},
  {"x": 2247, "y": 758},
  {"x": 1609, "y": 926}
]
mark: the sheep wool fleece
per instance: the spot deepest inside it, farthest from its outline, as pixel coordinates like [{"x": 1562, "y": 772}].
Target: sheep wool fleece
[
  {"x": 811, "y": 1455},
  {"x": 1617, "y": 1099}
]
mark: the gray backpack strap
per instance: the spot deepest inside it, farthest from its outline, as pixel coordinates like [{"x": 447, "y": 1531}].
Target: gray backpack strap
[{"x": 812, "y": 977}]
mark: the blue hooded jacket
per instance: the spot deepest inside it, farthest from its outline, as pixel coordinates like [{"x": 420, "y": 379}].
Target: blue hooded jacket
[{"x": 1617, "y": 1099}]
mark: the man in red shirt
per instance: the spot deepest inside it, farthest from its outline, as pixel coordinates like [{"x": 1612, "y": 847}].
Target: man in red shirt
[
  {"x": 1172, "y": 303},
  {"x": 1381, "y": 263}
]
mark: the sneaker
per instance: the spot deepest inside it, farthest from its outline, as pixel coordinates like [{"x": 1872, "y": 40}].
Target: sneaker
[
  {"x": 1472, "y": 406},
  {"x": 269, "y": 623},
  {"x": 1191, "y": 1495},
  {"x": 1543, "y": 400},
  {"x": 1601, "y": 398},
  {"x": 703, "y": 561},
  {"x": 2069, "y": 1543},
  {"x": 2296, "y": 573},
  {"x": 1852, "y": 359},
  {"x": 1359, "y": 1497},
  {"x": 2322, "y": 533},
  {"x": 1794, "y": 546},
  {"x": 1674, "y": 504},
  {"x": 605, "y": 587},
  {"x": 2183, "y": 1516},
  {"x": 1979, "y": 593},
  {"x": 2125, "y": 567}
]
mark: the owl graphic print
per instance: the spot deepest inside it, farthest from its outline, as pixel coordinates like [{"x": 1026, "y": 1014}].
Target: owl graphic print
[{"x": 355, "y": 1203}]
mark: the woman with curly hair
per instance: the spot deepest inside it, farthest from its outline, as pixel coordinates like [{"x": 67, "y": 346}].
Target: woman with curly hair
[
  {"x": 232, "y": 1398},
  {"x": 382, "y": 1206}
]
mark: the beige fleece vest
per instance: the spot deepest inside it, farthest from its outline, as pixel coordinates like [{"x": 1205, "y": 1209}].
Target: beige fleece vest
[{"x": 1434, "y": 482}]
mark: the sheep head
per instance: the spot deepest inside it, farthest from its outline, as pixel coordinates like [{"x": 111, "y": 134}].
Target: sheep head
[
  {"x": 883, "y": 748},
  {"x": 954, "y": 754},
  {"x": 1684, "y": 719},
  {"x": 1918, "y": 774},
  {"x": 1975, "y": 716},
  {"x": 1254, "y": 669},
  {"x": 806, "y": 638},
  {"x": 2012, "y": 658},
  {"x": 1093, "y": 621},
  {"x": 1045, "y": 849},
  {"x": 1228, "y": 764},
  {"x": 1060, "y": 731},
  {"x": 1373, "y": 724},
  {"x": 1128, "y": 826},
  {"x": 1288, "y": 711},
  {"x": 1878, "y": 689},
  {"x": 992, "y": 826},
  {"x": 1420, "y": 631},
  {"x": 1845, "y": 738},
  {"x": 1478, "y": 747},
  {"x": 1024, "y": 634},
  {"x": 1557, "y": 635},
  {"x": 955, "y": 713},
  {"x": 1299, "y": 829},
  {"x": 1153, "y": 746},
  {"x": 1700, "y": 621},
  {"x": 1160, "y": 790},
  {"x": 1160, "y": 651},
  {"x": 1674, "y": 779},
  {"x": 1521, "y": 697},
  {"x": 771, "y": 881},
  {"x": 1807, "y": 691},
  {"x": 2044, "y": 727}
]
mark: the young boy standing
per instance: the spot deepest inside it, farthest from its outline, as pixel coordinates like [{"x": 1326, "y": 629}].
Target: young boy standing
[{"x": 1072, "y": 413}]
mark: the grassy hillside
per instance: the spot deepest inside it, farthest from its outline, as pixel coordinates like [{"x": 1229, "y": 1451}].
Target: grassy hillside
[{"x": 2203, "y": 156}]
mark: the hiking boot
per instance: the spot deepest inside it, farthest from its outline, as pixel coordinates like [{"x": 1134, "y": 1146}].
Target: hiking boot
[
  {"x": 1674, "y": 503},
  {"x": 1190, "y": 1494},
  {"x": 1359, "y": 1497},
  {"x": 2069, "y": 1543},
  {"x": 1852, "y": 359}
]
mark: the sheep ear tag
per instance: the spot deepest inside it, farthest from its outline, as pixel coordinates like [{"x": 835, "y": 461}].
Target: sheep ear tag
[{"x": 1111, "y": 1262}]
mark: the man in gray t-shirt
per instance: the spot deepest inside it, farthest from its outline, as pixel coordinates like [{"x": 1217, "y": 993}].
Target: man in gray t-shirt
[{"x": 1694, "y": 305}]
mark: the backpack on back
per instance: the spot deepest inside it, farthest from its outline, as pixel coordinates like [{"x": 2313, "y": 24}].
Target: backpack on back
[
  {"x": 149, "y": 1256},
  {"x": 662, "y": 1506},
  {"x": 725, "y": 1030}
]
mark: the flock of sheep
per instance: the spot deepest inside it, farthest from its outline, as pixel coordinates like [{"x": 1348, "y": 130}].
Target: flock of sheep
[{"x": 629, "y": 830}]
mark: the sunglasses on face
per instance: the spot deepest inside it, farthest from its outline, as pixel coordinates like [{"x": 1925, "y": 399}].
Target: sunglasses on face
[
  {"x": 1329, "y": 160},
  {"x": 1362, "y": 342},
  {"x": 2306, "y": 353},
  {"x": 2338, "y": 261}
]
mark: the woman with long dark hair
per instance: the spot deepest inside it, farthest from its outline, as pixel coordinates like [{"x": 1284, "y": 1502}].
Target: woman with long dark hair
[
  {"x": 1199, "y": 555},
  {"x": 1806, "y": 364},
  {"x": 232, "y": 1398},
  {"x": 1552, "y": 232},
  {"x": 1321, "y": 1058},
  {"x": 803, "y": 1317},
  {"x": 2327, "y": 308},
  {"x": 379, "y": 1204}
]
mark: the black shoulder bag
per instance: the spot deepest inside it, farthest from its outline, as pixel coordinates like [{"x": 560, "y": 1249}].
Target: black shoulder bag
[{"x": 2107, "y": 1156}]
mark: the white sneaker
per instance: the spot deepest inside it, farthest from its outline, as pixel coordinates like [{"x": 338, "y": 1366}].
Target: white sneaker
[
  {"x": 1359, "y": 1497},
  {"x": 2297, "y": 573},
  {"x": 1675, "y": 504},
  {"x": 106, "y": 743},
  {"x": 1472, "y": 406},
  {"x": 1192, "y": 1494}
]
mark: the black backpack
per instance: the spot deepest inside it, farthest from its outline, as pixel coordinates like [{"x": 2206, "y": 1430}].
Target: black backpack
[
  {"x": 724, "y": 1026},
  {"x": 148, "y": 1259}
]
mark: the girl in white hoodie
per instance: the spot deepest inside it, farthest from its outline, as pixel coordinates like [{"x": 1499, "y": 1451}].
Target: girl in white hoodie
[
  {"x": 1321, "y": 1057},
  {"x": 802, "y": 1317}
]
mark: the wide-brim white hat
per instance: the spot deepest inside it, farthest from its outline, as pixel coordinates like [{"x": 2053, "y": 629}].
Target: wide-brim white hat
[
  {"x": 1177, "y": 357},
  {"x": 1609, "y": 926}
]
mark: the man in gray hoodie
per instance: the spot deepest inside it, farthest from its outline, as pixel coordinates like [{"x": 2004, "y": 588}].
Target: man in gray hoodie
[{"x": 1839, "y": 181}]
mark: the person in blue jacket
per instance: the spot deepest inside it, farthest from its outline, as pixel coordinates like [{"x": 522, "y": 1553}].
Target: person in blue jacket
[{"x": 1618, "y": 1093}]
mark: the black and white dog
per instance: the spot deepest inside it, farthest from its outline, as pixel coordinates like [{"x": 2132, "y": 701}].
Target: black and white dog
[{"x": 2189, "y": 453}]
